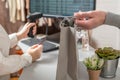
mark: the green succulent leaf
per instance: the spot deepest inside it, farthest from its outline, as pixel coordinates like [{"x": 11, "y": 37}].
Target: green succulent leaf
[
  {"x": 93, "y": 63},
  {"x": 108, "y": 53}
]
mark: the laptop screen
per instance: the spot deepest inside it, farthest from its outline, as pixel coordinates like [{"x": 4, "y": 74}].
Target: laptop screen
[{"x": 61, "y": 7}]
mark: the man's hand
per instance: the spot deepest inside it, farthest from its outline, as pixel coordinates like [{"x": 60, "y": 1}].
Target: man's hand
[{"x": 90, "y": 19}]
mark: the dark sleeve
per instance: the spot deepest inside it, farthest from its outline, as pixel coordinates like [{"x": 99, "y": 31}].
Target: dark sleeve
[{"x": 112, "y": 19}]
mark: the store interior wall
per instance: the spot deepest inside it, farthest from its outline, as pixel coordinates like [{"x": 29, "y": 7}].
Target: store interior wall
[{"x": 4, "y": 20}]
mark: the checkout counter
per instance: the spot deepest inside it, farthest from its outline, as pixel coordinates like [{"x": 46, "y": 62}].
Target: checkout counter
[{"x": 45, "y": 68}]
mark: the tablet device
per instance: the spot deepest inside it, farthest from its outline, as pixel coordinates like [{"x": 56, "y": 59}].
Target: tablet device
[{"x": 47, "y": 45}]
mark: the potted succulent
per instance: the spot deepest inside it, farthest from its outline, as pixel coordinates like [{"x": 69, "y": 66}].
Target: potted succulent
[
  {"x": 111, "y": 58},
  {"x": 94, "y": 65}
]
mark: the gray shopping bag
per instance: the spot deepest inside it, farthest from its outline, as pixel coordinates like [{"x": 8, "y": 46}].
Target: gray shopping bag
[{"x": 67, "y": 68}]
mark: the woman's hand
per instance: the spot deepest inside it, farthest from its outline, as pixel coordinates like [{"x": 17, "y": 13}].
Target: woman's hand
[
  {"x": 24, "y": 31},
  {"x": 35, "y": 51}
]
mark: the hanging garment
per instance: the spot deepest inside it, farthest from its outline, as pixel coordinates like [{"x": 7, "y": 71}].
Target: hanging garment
[
  {"x": 18, "y": 9},
  {"x": 12, "y": 10},
  {"x": 22, "y": 10},
  {"x": 27, "y": 6}
]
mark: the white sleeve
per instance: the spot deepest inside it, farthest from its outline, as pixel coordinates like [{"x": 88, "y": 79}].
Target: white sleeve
[
  {"x": 13, "y": 63},
  {"x": 13, "y": 40}
]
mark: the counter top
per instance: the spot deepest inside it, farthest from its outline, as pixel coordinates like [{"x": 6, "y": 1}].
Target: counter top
[{"x": 45, "y": 68}]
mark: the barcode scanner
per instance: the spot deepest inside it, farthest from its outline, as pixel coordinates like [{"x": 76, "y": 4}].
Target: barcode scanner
[{"x": 32, "y": 18}]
